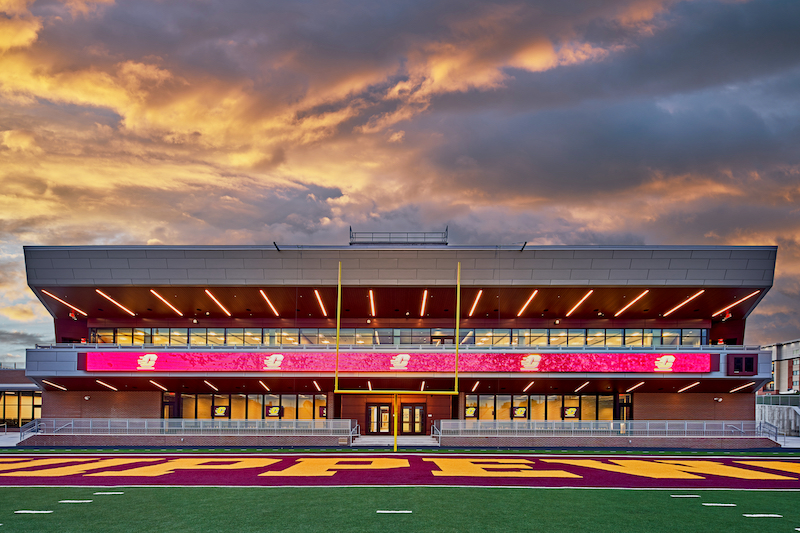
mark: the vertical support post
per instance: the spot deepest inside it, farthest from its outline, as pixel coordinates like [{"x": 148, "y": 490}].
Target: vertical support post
[
  {"x": 395, "y": 409},
  {"x": 458, "y": 319},
  {"x": 338, "y": 325}
]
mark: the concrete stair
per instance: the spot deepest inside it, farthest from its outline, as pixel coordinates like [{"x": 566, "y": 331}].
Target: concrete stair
[{"x": 403, "y": 441}]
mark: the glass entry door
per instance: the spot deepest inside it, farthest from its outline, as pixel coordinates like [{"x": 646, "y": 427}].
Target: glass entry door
[
  {"x": 413, "y": 419},
  {"x": 379, "y": 418}
]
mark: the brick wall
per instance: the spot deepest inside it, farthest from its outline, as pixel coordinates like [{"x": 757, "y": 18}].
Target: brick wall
[
  {"x": 13, "y": 377},
  {"x": 694, "y": 406},
  {"x": 101, "y": 404},
  {"x": 354, "y": 406}
]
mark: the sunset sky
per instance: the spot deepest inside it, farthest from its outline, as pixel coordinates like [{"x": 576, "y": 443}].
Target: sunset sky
[{"x": 247, "y": 122}]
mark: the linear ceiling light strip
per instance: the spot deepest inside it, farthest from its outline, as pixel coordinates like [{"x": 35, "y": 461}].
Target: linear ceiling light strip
[
  {"x": 166, "y": 302},
  {"x": 475, "y": 303},
  {"x": 424, "y": 301},
  {"x": 162, "y": 387},
  {"x": 269, "y": 303},
  {"x": 321, "y": 306},
  {"x": 113, "y": 301},
  {"x": 630, "y": 304},
  {"x": 210, "y": 385},
  {"x": 582, "y": 386},
  {"x": 687, "y": 387},
  {"x": 635, "y": 386},
  {"x": 56, "y": 298},
  {"x": 264, "y": 385},
  {"x": 683, "y": 303},
  {"x": 526, "y": 303},
  {"x": 736, "y": 303},
  {"x": 528, "y": 386},
  {"x": 53, "y": 384},
  {"x": 579, "y": 303},
  {"x": 104, "y": 384},
  {"x": 371, "y": 303},
  {"x": 217, "y": 302},
  {"x": 743, "y": 387}
]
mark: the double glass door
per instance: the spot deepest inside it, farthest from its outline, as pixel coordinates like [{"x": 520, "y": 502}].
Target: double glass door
[
  {"x": 413, "y": 419},
  {"x": 379, "y": 418}
]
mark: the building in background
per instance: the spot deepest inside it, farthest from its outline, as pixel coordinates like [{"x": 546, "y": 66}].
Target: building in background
[
  {"x": 785, "y": 366},
  {"x": 546, "y": 332}
]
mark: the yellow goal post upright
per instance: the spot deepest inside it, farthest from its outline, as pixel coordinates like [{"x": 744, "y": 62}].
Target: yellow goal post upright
[{"x": 395, "y": 393}]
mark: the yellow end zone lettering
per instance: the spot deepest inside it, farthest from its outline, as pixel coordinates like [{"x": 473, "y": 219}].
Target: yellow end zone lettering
[
  {"x": 669, "y": 469},
  {"x": 328, "y": 466},
  {"x": 73, "y": 470},
  {"x": 6, "y": 464},
  {"x": 169, "y": 467},
  {"x": 489, "y": 468}
]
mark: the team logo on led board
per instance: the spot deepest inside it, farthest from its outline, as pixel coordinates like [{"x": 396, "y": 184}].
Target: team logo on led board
[
  {"x": 520, "y": 412},
  {"x": 273, "y": 361},
  {"x": 400, "y": 361},
  {"x": 471, "y": 412},
  {"x": 221, "y": 411},
  {"x": 147, "y": 362},
  {"x": 664, "y": 363},
  {"x": 571, "y": 412},
  {"x": 273, "y": 410},
  {"x": 530, "y": 363}
]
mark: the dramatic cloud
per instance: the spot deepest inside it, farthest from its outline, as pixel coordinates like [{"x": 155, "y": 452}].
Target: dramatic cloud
[{"x": 551, "y": 122}]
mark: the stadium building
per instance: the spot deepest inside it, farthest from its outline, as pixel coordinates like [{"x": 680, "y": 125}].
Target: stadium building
[{"x": 547, "y": 333}]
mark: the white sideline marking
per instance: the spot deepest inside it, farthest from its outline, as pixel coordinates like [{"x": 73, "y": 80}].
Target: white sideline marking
[
  {"x": 720, "y": 504},
  {"x": 763, "y": 516},
  {"x": 32, "y": 512},
  {"x": 684, "y": 495},
  {"x": 108, "y": 493},
  {"x": 76, "y": 501},
  {"x": 394, "y": 512}
]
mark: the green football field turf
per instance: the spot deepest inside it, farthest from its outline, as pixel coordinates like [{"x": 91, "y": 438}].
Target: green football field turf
[{"x": 434, "y": 509}]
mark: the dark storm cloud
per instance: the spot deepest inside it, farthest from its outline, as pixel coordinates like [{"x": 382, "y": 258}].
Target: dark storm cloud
[{"x": 20, "y": 337}]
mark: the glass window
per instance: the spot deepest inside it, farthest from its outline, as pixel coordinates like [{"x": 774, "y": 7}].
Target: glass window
[
  {"x": 221, "y": 400},
  {"x": 188, "y": 406},
  {"x": 501, "y": 337},
  {"x": 289, "y": 405},
  {"x": 26, "y": 407},
  {"x": 613, "y": 337},
  {"x": 595, "y": 337},
  {"x": 483, "y": 337},
  {"x": 558, "y": 337},
  {"x": 272, "y": 337},
  {"x": 520, "y": 407},
  {"x": 671, "y": 337},
  {"x": 216, "y": 336},
  {"x": 577, "y": 337},
  {"x": 197, "y": 336},
  {"x": 309, "y": 336},
  {"x": 443, "y": 336},
  {"x": 272, "y": 406},
  {"x": 554, "y": 407},
  {"x": 320, "y": 406},
  {"x": 572, "y": 406},
  {"x": 537, "y": 407},
  {"x": 327, "y": 336},
  {"x": 178, "y": 336},
  {"x": 651, "y": 337},
  {"x": 690, "y": 337},
  {"x": 503, "y": 410},
  {"x": 471, "y": 405},
  {"x": 605, "y": 407},
  {"x": 539, "y": 337},
  {"x": 520, "y": 337},
  {"x": 305, "y": 407},
  {"x": 252, "y": 336},
  {"x": 589, "y": 407},
  {"x": 383, "y": 336},
  {"x": 161, "y": 336},
  {"x": 11, "y": 416},
  {"x": 364, "y": 336},
  {"x": 125, "y": 336},
  {"x": 633, "y": 337},
  {"x": 467, "y": 336},
  {"x": 105, "y": 335},
  {"x": 238, "y": 406},
  {"x": 204, "y": 406},
  {"x": 234, "y": 336},
  {"x": 486, "y": 407},
  {"x": 142, "y": 336},
  {"x": 289, "y": 336},
  {"x": 420, "y": 336},
  {"x": 255, "y": 406},
  {"x": 347, "y": 336},
  {"x": 402, "y": 336}
]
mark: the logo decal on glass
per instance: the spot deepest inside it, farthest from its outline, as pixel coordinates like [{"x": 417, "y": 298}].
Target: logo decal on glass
[
  {"x": 530, "y": 363},
  {"x": 570, "y": 412},
  {"x": 220, "y": 411},
  {"x": 147, "y": 362},
  {"x": 664, "y": 363},
  {"x": 520, "y": 412},
  {"x": 273, "y": 362},
  {"x": 400, "y": 361},
  {"x": 471, "y": 412},
  {"x": 273, "y": 410}
]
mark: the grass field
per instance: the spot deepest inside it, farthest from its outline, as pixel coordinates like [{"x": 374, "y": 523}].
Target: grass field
[{"x": 435, "y": 509}]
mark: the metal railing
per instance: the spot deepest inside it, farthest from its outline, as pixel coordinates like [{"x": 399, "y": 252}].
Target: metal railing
[
  {"x": 398, "y": 237},
  {"x": 779, "y": 399},
  {"x": 610, "y": 428},
  {"x": 181, "y": 426},
  {"x": 5, "y": 365}
]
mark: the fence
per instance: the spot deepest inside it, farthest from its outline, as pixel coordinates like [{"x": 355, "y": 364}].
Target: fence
[
  {"x": 611, "y": 428},
  {"x": 779, "y": 399},
  {"x": 178, "y": 426}
]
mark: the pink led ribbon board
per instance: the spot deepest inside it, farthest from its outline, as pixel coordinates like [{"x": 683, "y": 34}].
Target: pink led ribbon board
[{"x": 426, "y": 362}]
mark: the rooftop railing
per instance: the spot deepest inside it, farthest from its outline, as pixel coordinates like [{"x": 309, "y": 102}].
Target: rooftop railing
[
  {"x": 398, "y": 237},
  {"x": 792, "y": 400},
  {"x": 180, "y": 426}
]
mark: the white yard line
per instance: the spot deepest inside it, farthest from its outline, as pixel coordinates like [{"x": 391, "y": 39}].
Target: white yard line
[
  {"x": 763, "y": 515},
  {"x": 394, "y": 512},
  {"x": 96, "y": 493},
  {"x": 75, "y": 501},
  {"x": 32, "y": 512},
  {"x": 684, "y": 495},
  {"x": 719, "y": 504}
]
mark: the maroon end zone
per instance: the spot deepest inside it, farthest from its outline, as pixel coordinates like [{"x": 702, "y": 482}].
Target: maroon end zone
[{"x": 402, "y": 470}]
